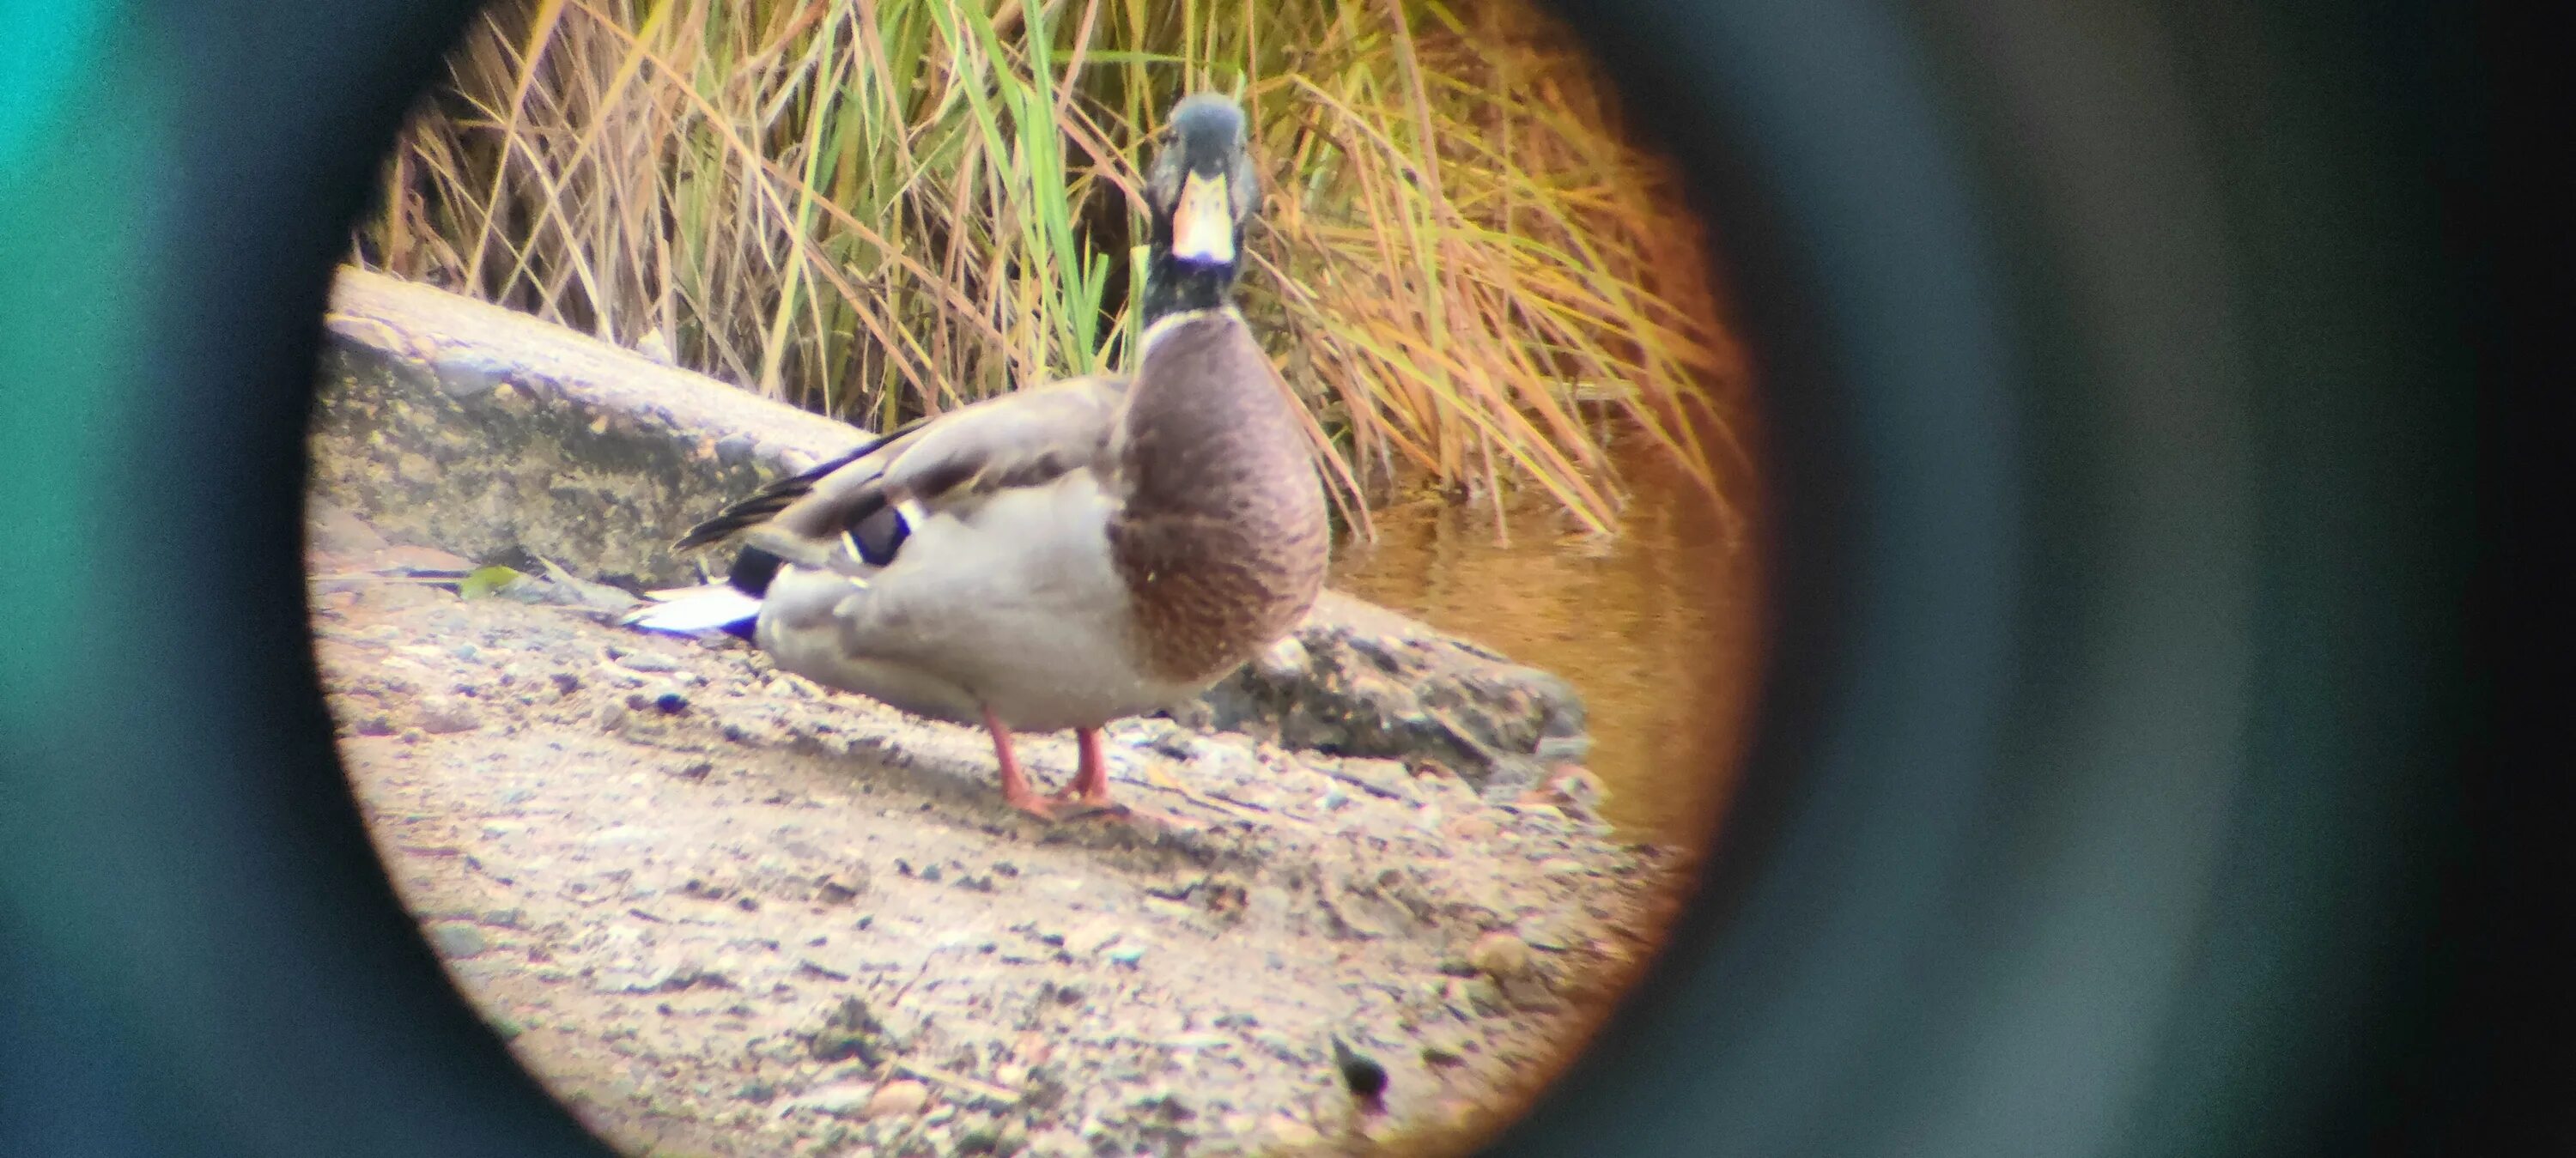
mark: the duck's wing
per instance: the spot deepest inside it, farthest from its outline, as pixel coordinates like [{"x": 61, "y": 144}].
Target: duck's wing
[
  {"x": 855, "y": 511},
  {"x": 775, "y": 496}
]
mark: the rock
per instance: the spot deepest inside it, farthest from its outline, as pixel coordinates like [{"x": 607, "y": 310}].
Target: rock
[
  {"x": 1164, "y": 1102},
  {"x": 1571, "y": 789},
  {"x": 442, "y": 715},
  {"x": 1384, "y": 778},
  {"x": 455, "y": 939},
  {"x": 840, "y": 1099},
  {"x": 1365, "y": 681},
  {"x": 335, "y": 530},
  {"x": 1500, "y": 955},
  {"x": 1284, "y": 660},
  {"x": 563, "y": 589},
  {"x": 1509, "y": 777},
  {"x": 641, "y": 661},
  {"x": 850, "y": 1030},
  {"x": 1361, "y": 1074},
  {"x": 1529, "y": 992},
  {"x": 898, "y": 1098}
]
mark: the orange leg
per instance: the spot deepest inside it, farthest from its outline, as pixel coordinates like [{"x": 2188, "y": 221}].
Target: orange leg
[
  {"x": 1015, "y": 784},
  {"x": 1090, "y": 787}
]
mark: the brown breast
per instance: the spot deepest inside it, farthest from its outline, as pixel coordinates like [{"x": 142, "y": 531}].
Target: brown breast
[{"x": 1223, "y": 538}]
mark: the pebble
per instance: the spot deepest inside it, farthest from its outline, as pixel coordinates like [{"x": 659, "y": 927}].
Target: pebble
[
  {"x": 1284, "y": 660},
  {"x": 838, "y": 1099},
  {"x": 441, "y": 715},
  {"x": 897, "y": 1098},
  {"x": 454, "y": 939},
  {"x": 1500, "y": 954}
]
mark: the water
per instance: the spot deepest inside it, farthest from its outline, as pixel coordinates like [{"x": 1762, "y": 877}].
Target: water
[{"x": 1657, "y": 628}]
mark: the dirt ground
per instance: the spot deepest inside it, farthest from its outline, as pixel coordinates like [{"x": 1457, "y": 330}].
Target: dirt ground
[{"x": 721, "y": 911}]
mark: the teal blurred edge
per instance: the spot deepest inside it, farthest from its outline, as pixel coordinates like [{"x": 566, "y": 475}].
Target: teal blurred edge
[
  {"x": 42, "y": 45},
  {"x": 83, "y": 133}
]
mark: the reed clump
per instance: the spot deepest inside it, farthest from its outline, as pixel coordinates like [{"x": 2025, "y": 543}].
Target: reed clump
[{"x": 875, "y": 209}]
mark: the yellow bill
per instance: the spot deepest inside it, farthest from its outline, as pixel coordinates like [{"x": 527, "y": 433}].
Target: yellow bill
[{"x": 1203, "y": 226}]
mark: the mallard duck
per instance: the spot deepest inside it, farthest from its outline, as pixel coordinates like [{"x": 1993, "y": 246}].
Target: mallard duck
[{"x": 1069, "y": 554}]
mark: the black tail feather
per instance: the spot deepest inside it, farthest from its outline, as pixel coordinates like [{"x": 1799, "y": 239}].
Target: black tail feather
[{"x": 775, "y": 497}]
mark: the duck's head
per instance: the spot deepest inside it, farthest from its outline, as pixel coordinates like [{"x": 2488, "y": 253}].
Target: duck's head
[{"x": 1202, "y": 190}]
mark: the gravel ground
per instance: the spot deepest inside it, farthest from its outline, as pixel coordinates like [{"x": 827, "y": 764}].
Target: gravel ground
[{"x": 722, "y": 911}]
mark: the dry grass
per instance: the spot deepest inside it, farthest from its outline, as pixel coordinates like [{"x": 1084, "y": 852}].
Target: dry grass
[{"x": 879, "y": 208}]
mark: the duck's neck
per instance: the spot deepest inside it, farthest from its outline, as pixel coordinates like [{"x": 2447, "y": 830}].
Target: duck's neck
[{"x": 1174, "y": 286}]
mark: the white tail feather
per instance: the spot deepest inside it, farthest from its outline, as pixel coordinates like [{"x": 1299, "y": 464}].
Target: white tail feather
[{"x": 695, "y": 610}]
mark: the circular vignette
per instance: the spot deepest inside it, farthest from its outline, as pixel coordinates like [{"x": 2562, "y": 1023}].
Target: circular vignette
[{"x": 2100, "y": 768}]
